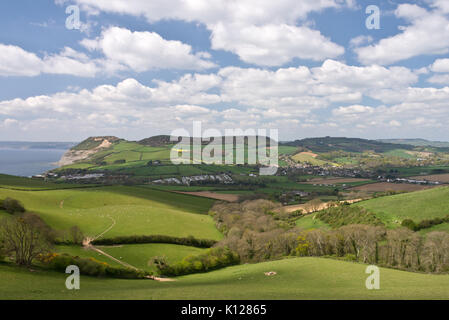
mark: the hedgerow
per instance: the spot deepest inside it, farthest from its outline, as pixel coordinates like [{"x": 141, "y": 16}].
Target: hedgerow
[
  {"x": 212, "y": 259},
  {"x": 188, "y": 241},
  {"x": 90, "y": 267}
]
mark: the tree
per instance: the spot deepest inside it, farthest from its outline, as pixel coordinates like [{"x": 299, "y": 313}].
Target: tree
[
  {"x": 313, "y": 205},
  {"x": 23, "y": 240},
  {"x": 76, "y": 234},
  {"x": 409, "y": 223},
  {"x": 12, "y": 206}
]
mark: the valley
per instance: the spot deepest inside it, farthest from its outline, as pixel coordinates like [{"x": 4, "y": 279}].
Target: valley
[{"x": 140, "y": 217}]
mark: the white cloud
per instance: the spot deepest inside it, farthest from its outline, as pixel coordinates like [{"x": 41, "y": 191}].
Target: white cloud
[
  {"x": 261, "y": 32},
  {"x": 14, "y": 61},
  {"x": 274, "y": 45},
  {"x": 426, "y": 34},
  {"x": 439, "y": 79},
  {"x": 352, "y": 110},
  {"x": 143, "y": 51},
  {"x": 440, "y": 65},
  {"x": 293, "y": 100},
  {"x": 360, "y": 40}
]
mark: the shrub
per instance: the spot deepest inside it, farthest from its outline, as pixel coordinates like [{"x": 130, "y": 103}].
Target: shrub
[
  {"x": 90, "y": 267},
  {"x": 409, "y": 223},
  {"x": 188, "y": 241},
  {"x": 212, "y": 259},
  {"x": 346, "y": 215},
  {"x": 12, "y": 206}
]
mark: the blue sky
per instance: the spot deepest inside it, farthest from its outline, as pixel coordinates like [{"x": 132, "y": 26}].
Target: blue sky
[{"x": 307, "y": 68}]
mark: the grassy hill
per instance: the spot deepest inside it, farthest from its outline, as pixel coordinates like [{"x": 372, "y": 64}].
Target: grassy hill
[
  {"x": 418, "y": 142},
  {"x": 298, "y": 278},
  {"x": 328, "y": 144},
  {"x": 22, "y": 183},
  {"x": 136, "y": 210},
  {"x": 426, "y": 204}
]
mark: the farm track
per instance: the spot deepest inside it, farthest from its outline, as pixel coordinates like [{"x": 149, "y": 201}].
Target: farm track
[{"x": 87, "y": 244}]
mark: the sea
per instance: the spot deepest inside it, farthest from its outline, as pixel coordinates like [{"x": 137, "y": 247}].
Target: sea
[{"x": 30, "y": 158}]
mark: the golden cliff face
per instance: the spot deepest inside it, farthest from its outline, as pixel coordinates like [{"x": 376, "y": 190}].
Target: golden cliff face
[{"x": 74, "y": 154}]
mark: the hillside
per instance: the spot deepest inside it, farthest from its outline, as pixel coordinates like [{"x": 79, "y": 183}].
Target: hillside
[
  {"x": 329, "y": 144},
  {"x": 417, "y": 142},
  {"x": 297, "y": 278},
  {"x": 87, "y": 149},
  {"x": 136, "y": 210},
  {"x": 156, "y": 141},
  {"x": 420, "y": 205}
]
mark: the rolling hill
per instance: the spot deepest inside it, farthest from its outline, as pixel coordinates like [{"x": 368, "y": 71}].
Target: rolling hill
[
  {"x": 297, "y": 278},
  {"x": 328, "y": 144},
  {"x": 420, "y": 205}
]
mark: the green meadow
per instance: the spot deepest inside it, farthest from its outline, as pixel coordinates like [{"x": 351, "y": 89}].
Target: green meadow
[
  {"x": 296, "y": 278},
  {"x": 420, "y": 205},
  {"x": 131, "y": 211}
]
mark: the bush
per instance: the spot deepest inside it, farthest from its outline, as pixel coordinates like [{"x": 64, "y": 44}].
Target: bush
[
  {"x": 12, "y": 206},
  {"x": 346, "y": 215},
  {"x": 90, "y": 267},
  {"x": 212, "y": 259},
  {"x": 188, "y": 241},
  {"x": 424, "y": 224},
  {"x": 409, "y": 223}
]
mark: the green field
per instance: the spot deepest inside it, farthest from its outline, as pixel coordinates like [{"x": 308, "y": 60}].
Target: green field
[
  {"x": 78, "y": 251},
  {"x": 138, "y": 255},
  {"x": 22, "y": 183},
  {"x": 132, "y": 210},
  {"x": 416, "y": 171},
  {"x": 310, "y": 222},
  {"x": 426, "y": 204},
  {"x": 297, "y": 278},
  {"x": 400, "y": 153},
  {"x": 287, "y": 150}
]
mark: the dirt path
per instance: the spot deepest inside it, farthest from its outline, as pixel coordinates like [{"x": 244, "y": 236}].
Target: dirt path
[
  {"x": 87, "y": 244},
  {"x": 108, "y": 229}
]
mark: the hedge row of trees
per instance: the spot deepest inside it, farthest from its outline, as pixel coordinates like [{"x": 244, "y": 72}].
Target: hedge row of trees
[
  {"x": 256, "y": 233},
  {"x": 188, "y": 241},
  {"x": 256, "y": 230},
  {"x": 398, "y": 248},
  {"x": 424, "y": 224},
  {"x": 90, "y": 267},
  {"x": 212, "y": 259},
  {"x": 11, "y": 206}
]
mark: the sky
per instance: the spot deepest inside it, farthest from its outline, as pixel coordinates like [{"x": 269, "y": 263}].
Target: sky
[{"x": 308, "y": 68}]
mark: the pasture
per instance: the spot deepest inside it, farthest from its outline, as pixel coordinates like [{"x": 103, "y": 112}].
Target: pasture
[
  {"x": 426, "y": 204},
  {"x": 296, "y": 278},
  {"x": 444, "y": 178},
  {"x": 388, "y": 186},
  {"x": 131, "y": 210}
]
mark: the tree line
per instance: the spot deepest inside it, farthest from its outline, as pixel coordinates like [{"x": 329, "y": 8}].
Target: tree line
[{"x": 259, "y": 231}]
